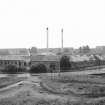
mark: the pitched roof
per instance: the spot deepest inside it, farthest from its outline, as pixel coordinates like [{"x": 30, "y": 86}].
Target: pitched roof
[
  {"x": 44, "y": 58},
  {"x": 15, "y": 51},
  {"x": 15, "y": 57},
  {"x": 15, "y": 54}
]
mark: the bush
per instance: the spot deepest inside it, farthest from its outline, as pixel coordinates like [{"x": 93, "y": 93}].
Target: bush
[
  {"x": 65, "y": 64},
  {"x": 20, "y": 69},
  {"x": 13, "y": 69},
  {"x": 10, "y": 69},
  {"x": 40, "y": 68}
]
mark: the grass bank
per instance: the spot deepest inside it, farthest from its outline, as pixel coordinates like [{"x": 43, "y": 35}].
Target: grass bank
[
  {"x": 87, "y": 87},
  {"x": 9, "y": 80}
]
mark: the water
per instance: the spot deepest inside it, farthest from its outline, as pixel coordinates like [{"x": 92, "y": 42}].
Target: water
[
  {"x": 3, "y": 75},
  {"x": 18, "y": 75},
  {"x": 23, "y": 75}
]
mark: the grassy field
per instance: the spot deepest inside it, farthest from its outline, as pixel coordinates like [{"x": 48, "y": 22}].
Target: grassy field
[
  {"x": 54, "y": 89},
  {"x": 9, "y": 80},
  {"x": 85, "y": 88}
]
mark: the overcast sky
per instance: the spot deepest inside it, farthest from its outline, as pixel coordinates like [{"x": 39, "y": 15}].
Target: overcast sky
[{"x": 23, "y": 23}]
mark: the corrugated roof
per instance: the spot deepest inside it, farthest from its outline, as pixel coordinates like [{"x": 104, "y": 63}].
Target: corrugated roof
[
  {"x": 78, "y": 58},
  {"x": 44, "y": 58},
  {"x": 13, "y": 57},
  {"x": 15, "y": 51}
]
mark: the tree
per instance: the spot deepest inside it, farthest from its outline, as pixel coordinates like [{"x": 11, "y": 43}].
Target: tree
[
  {"x": 84, "y": 49},
  {"x": 33, "y": 50},
  {"x": 97, "y": 60},
  {"x": 80, "y": 50},
  {"x": 52, "y": 67},
  {"x": 65, "y": 64},
  {"x": 11, "y": 69},
  {"x": 21, "y": 69}
]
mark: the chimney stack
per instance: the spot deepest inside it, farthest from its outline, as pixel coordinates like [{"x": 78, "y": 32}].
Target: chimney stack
[
  {"x": 47, "y": 38},
  {"x": 62, "y": 38}
]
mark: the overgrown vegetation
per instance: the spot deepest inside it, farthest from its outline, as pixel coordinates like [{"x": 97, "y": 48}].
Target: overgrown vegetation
[
  {"x": 13, "y": 69},
  {"x": 36, "y": 101},
  {"x": 65, "y": 64},
  {"x": 87, "y": 86},
  {"x": 40, "y": 68}
]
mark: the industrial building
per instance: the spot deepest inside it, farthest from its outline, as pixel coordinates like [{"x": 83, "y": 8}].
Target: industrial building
[{"x": 18, "y": 56}]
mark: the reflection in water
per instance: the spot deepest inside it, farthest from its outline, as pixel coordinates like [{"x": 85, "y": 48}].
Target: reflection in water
[{"x": 18, "y": 75}]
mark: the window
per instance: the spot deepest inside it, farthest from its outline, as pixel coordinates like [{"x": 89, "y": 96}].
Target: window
[
  {"x": 16, "y": 62},
  {"x": 5, "y": 62},
  {"x": 24, "y": 63},
  {"x": 19, "y": 63}
]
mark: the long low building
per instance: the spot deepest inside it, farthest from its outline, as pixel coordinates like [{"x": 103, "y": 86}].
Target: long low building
[
  {"x": 22, "y": 57},
  {"x": 19, "y": 57}
]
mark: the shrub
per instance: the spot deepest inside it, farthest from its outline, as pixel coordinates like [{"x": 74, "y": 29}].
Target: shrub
[
  {"x": 65, "y": 64},
  {"x": 20, "y": 69},
  {"x": 40, "y": 68},
  {"x": 12, "y": 69}
]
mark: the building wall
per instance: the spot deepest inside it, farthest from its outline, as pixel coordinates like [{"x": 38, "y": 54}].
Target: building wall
[
  {"x": 18, "y": 63},
  {"x": 48, "y": 65}
]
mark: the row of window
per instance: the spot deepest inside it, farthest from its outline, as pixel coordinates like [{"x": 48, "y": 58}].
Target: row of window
[{"x": 19, "y": 63}]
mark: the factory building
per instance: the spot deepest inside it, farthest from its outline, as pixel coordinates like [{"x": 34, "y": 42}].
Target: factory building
[{"x": 19, "y": 57}]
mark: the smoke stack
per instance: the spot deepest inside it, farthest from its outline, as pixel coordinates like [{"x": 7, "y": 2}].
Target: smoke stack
[
  {"x": 47, "y": 37},
  {"x": 62, "y": 38}
]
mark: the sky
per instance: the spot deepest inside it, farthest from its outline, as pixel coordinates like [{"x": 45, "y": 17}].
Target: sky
[{"x": 23, "y": 23}]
